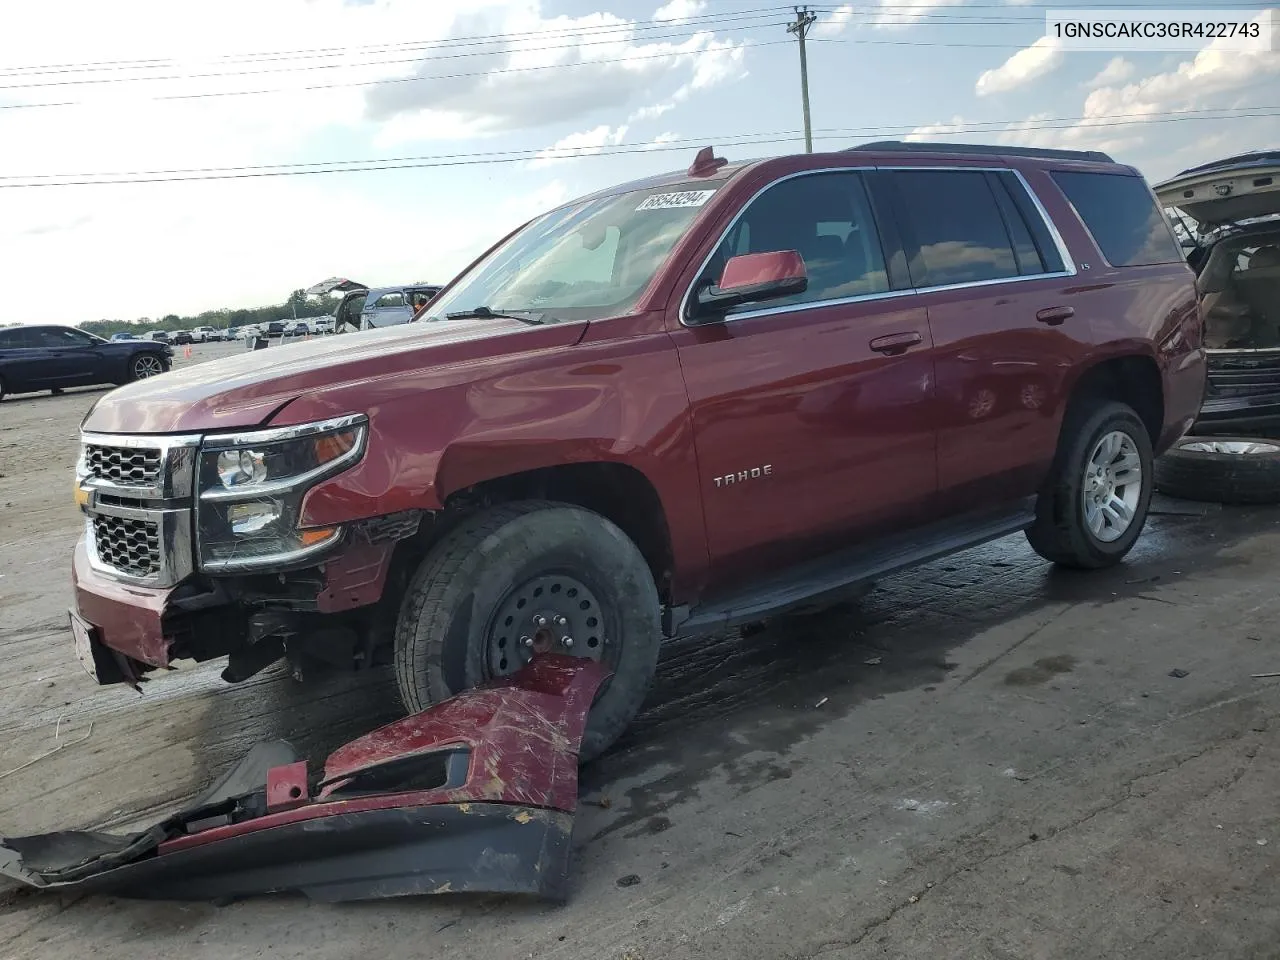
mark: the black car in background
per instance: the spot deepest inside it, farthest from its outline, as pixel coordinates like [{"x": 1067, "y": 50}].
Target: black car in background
[
  {"x": 182, "y": 338},
  {"x": 50, "y": 358}
]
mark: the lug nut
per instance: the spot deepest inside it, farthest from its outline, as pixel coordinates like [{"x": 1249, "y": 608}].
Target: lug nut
[
  {"x": 540, "y": 620},
  {"x": 561, "y": 621},
  {"x": 527, "y": 641},
  {"x": 566, "y": 642}
]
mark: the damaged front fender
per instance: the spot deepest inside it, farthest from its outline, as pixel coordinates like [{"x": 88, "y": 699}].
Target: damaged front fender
[{"x": 474, "y": 794}]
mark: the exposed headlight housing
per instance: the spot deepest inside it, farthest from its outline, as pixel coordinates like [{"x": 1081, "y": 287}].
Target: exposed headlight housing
[{"x": 250, "y": 490}]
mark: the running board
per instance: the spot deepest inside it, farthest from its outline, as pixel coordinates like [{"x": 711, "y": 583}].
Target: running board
[{"x": 832, "y": 575}]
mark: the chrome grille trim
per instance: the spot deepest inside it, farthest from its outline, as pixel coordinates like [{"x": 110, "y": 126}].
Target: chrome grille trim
[{"x": 138, "y": 525}]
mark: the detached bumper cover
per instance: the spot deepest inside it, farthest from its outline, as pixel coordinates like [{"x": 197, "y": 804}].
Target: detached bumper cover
[{"x": 475, "y": 794}]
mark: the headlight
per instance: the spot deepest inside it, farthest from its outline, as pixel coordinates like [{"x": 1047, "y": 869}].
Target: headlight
[{"x": 251, "y": 487}]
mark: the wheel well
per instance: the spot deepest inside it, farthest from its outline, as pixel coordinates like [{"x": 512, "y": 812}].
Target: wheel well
[
  {"x": 621, "y": 493},
  {"x": 1133, "y": 380}
]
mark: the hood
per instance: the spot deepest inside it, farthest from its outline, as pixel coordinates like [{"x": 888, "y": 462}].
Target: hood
[
  {"x": 247, "y": 390},
  {"x": 1226, "y": 191}
]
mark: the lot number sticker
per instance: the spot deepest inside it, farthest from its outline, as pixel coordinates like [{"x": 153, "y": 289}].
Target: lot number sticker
[{"x": 674, "y": 201}]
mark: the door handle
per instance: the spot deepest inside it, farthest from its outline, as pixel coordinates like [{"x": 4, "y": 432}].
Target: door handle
[
  {"x": 895, "y": 342},
  {"x": 1055, "y": 315}
]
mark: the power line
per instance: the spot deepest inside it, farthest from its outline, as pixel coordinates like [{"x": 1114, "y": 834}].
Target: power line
[
  {"x": 706, "y": 21},
  {"x": 516, "y": 156},
  {"x": 374, "y": 63}
]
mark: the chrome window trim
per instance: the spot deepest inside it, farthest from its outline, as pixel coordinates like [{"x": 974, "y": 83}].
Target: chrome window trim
[{"x": 1067, "y": 260}]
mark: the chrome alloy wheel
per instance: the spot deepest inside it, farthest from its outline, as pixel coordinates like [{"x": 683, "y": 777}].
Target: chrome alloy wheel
[
  {"x": 1112, "y": 486},
  {"x": 147, "y": 365}
]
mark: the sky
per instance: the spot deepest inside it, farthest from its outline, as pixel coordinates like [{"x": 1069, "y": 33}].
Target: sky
[{"x": 496, "y": 110}]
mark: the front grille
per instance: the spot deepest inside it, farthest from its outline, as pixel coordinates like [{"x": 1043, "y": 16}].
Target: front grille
[
  {"x": 130, "y": 546},
  {"x": 123, "y": 466}
]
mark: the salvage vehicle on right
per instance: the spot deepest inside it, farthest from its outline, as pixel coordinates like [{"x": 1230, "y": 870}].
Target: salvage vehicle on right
[{"x": 1230, "y": 211}]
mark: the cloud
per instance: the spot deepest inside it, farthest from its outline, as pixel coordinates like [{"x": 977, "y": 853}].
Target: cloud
[
  {"x": 1213, "y": 78},
  {"x": 1117, "y": 70},
  {"x": 834, "y": 23},
  {"x": 652, "y": 112},
  {"x": 901, "y": 14},
  {"x": 1042, "y": 57},
  {"x": 558, "y": 70},
  {"x": 679, "y": 10},
  {"x": 583, "y": 144},
  {"x": 660, "y": 139},
  {"x": 932, "y": 130}
]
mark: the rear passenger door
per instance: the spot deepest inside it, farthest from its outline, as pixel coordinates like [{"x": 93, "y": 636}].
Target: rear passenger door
[
  {"x": 994, "y": 279},
  {"x": 811, "y": 428}
]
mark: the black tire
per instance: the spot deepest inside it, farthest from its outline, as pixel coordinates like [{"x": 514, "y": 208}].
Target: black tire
[
  {"x": 1244, "y": 470},
  {"x": 442, "y": 634},
  {"x": 1061, "y": 532}
]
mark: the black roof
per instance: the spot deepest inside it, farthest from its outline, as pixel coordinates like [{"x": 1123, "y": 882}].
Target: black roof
[{"x": 991, "y": 150}]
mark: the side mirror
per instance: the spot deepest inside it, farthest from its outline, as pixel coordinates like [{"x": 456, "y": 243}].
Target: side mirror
[{"x": 754, "y": 277}]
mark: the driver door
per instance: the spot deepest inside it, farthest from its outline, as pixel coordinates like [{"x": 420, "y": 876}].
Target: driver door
[
  {"x": 811, "y": 414},
  {"x": 72, "y": 357}
]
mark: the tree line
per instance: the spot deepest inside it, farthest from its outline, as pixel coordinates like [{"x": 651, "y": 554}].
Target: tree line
[{"x": 298, "y": 305}]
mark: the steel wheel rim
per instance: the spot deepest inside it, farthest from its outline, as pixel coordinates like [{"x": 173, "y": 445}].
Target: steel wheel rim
[
  {"x": 1240, "y": 448},
  {"x": 147, "y": 366},
  {"x": 1112, "y": 486},
  {"x": 550, "y": 613}
]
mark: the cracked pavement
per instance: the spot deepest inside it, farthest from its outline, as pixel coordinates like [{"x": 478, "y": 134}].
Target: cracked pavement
[{"x": 1018, "y": 776}]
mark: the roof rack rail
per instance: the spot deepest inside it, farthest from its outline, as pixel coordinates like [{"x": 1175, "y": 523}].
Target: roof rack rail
[{"x": 912, "y": 146}]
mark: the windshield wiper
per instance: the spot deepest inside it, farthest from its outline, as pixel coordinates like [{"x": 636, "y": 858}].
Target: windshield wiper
[{"x": 484, "y": 313}]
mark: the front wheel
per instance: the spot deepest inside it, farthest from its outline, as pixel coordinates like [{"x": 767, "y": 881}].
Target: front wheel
[
  {"x": 145, "y": 365},
  {"x": 524, "y": 578},
  {"x": 1095, "y": 503}
]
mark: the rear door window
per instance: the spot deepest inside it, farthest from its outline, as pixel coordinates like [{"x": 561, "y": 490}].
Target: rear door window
[
  {"x": 953, "y": 228},
  {"x": 1121, "y": 214}
]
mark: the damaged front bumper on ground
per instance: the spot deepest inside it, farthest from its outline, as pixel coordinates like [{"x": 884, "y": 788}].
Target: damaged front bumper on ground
[{"x": 475, "y": 794}]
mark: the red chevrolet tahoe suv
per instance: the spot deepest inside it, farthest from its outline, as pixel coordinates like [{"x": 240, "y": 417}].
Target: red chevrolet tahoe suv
[{"x": 665, "y": 409}]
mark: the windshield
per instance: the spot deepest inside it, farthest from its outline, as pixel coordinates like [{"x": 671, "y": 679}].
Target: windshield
[{"x": 585, "y": 261}]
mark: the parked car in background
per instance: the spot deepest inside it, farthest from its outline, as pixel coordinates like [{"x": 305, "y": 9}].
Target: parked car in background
[
  {"x": 51, "y": 358},
  {"x": 322, "y": 325},
  {"x": 248, "y": 332},
  {"x": 389, "y": 306},
  {"x": 161, "y": 336},
  {"x": 1231, "y": 208},
  {"x": 205, "y": 334},
  {"x": 668, "y": 408},
  {"x": 273, "y": 329},
  {"x": 297, "y": 328},
  {"x": 182, "y": 338},
  {"x": 117, "y": 337},
  {"x": 346, "y": 315}
]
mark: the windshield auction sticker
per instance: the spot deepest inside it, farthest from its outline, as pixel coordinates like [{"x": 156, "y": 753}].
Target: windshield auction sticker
[{"x": 675, "y": 201}]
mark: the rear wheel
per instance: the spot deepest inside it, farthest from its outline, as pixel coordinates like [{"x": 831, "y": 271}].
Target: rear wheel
[
  {"x": 145, "y": 365},
  {"x": 525, "y": 578},
  {"x": 1095, "y": 503}
]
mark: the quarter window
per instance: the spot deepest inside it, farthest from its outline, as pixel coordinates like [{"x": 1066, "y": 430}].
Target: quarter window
[
  {"x": 1120, "y": 212},
  {"x": 827, "y": 219}
]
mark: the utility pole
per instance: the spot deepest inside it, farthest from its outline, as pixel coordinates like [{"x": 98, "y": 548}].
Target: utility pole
[{"x": 800, "y": 27}]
